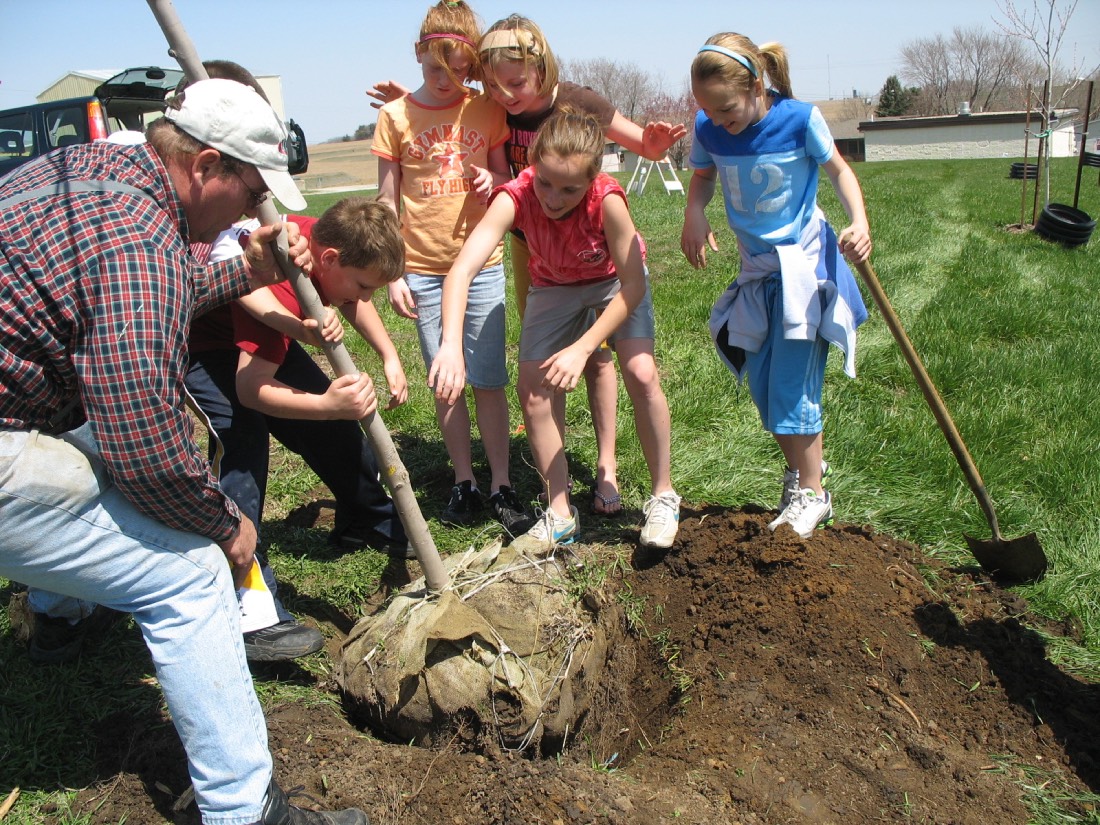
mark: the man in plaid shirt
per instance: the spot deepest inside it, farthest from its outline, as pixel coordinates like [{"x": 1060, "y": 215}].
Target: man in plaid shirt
[{"x": 105, "y": 496}]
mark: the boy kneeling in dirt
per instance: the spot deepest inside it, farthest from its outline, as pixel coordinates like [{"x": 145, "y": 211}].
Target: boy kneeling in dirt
[{"x": 357, "y": 248}]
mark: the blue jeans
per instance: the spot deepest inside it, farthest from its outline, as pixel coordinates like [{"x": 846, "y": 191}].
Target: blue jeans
[
  {"x": 69, "y": 530},
  {"x": 483, "y": 329},
  {"x": 337, "y": 451}
]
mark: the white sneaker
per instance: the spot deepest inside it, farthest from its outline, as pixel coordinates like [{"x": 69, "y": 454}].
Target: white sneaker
[
  {"x": 791, "y": 485},
  {"x": 550, "y": 530},
  {"x": 790, "y": 488},
  {"x": 806, "y": 512},
  {"x": 662, "y": 520}
]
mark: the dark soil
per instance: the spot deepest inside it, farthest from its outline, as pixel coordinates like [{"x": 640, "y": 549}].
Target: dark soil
[{"x": 779, "y": 680}]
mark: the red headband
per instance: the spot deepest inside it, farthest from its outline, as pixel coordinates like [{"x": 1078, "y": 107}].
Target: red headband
[{"x": 460, "y": 38}]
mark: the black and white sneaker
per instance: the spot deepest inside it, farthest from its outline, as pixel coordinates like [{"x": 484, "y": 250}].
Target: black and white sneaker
[
  {"x": 465, "y": 507},
  {"x": 508, "y": 510}
]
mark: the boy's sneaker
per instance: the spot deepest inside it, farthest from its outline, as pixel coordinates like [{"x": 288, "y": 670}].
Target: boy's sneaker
[
  {"x": 791, "y": 485},
  {"x": 549, "y": 531},
  {"x": 662, "y": 520},
  {"x": 508, "y": 510},
  {"x": 465, "y": 506},
  {"x": 806, "y": 512}
]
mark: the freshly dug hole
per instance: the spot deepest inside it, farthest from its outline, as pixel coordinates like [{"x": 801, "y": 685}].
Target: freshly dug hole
[{"x": 513, "y": 655}]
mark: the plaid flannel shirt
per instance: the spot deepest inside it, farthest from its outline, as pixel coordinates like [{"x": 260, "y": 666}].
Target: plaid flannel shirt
[{"x": 97, "y": 292}]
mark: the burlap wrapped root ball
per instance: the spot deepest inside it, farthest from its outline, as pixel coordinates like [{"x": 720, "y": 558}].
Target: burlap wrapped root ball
[{"x": 513, "y": 654}]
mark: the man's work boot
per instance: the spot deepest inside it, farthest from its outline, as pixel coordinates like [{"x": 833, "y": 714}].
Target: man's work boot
[
  {"x": 282, "y": 642},
  {"x": 279, "y": 811},
  {"x": 51, "y": 640}
]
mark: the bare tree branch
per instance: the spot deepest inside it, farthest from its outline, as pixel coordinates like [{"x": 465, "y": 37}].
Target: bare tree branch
[
  {"x": 1044, "y": 27},
  {"x": 626, "y": 85}
]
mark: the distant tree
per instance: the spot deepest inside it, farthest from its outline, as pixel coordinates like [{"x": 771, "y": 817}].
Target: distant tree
[
  {"x": 985, "y": 70},
  {"x": 926, "y": 64},
  {"x": 989, "y": 68},
  {"x": 856, "y": 108},
  {"x": 674, "y": 109},
  {"x": 895, "y": 99},
  {"x": 365, "y": 132},
  {"x": 628, "y": 86}
]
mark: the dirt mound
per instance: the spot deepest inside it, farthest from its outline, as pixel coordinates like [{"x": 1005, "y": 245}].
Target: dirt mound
[{"x": 769, "y": 679}]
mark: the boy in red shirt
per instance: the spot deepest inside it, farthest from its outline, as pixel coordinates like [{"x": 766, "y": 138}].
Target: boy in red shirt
[{"x": 356, "y": 248}]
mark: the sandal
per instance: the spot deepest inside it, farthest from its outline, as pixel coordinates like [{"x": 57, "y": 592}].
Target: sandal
[{"x": 606, "y": 505}]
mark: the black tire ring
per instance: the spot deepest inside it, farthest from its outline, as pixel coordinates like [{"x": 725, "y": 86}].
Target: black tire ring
[{"x": 1060, "y": 222}]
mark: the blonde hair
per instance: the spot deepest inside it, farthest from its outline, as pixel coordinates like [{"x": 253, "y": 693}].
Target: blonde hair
[
  {"x": 566, "y": 133},
  {"x": 770, "y": 59},
  {"x": 366, "y": 234},
  {"x": 517, "y": 39},
  {"x": 444, "y": 19}
]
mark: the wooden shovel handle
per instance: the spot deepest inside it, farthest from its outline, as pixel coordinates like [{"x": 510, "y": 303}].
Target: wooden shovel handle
[{"x": 939, "y": 409}]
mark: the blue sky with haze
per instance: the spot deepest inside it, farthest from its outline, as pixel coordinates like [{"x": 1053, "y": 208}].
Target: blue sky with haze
[{"x": 329, "y": 60}]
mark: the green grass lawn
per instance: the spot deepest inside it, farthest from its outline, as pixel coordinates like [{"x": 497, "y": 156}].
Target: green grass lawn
[{"x": 1004, "y": 322}]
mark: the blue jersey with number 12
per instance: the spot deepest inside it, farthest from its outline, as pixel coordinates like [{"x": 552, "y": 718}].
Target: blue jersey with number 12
[{"x": 768, "y": 171}]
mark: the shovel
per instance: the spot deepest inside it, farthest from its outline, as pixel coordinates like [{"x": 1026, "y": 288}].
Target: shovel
[{"x": 1020, "y": 559}]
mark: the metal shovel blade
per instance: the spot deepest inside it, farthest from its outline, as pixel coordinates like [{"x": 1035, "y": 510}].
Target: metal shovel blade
[{"x": 1019, "y": 560}]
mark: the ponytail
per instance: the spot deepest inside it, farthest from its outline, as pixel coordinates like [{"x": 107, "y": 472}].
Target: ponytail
[
  {"x": 737, "y": 62},
  {"x": 776, "y": 64}
]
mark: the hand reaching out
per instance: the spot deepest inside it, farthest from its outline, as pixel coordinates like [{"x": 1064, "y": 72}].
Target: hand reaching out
[
  {"x": 386, "y": 91},
  {"x": 658, "y": 138},
  {"x": 448, "y": 374},
  {"x": 397, "y": 383},
  {"x": 564, "y": 368},
  {"x": 482, "y": 183}
]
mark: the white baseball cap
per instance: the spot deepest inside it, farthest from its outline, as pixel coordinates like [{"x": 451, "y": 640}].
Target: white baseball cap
[{"x": 232, "y": 118}]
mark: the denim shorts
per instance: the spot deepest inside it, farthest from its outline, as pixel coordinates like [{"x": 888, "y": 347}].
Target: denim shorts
[
  {"x": 558, "y": 316},
  {"x": 785, "y": 377},
  {"x": 482, "y": 332}
]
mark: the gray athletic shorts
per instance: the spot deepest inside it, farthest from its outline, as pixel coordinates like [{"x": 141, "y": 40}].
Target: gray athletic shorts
[{"x": 558, "y": 316}]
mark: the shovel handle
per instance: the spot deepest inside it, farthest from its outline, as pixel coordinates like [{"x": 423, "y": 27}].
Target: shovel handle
[
  {"x": 939, "y": 409},
  {"x": 393, "y": 470}
]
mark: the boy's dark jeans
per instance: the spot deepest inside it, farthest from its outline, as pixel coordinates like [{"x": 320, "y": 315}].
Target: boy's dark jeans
[{"x": 328, "y": 447}]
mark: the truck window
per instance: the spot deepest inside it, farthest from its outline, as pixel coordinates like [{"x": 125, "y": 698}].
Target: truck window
[
  {"x": 67, "y": 126},
  {"x": 16, "y": 136}
]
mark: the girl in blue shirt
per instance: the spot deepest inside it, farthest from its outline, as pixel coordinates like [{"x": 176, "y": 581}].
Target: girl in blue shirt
[{"x": 795, "y": 294}]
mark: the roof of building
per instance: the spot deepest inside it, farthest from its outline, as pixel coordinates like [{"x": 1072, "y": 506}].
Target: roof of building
[{"x": 972, "y": 119}]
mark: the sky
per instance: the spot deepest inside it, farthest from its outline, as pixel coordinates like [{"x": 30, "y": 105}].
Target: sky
[{"x": 328, "y": 61}]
